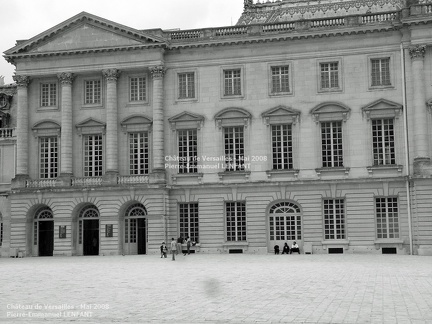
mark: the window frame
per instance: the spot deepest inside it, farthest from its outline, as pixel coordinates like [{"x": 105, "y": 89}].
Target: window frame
[
  {"x": 50, "y": 105},
  {"x": 191, "y": 227},
  {"x": 224, "y": 69},
  {"x": 101, "y": 95},
  {"x": 102, "y": 155},
  {"x": 58, "y": 157},
  {"x": 180, "y": 72},
  {"x": 239, "y": 163},
  {"x": 146, "y": 89},
  {"x": 383, "y": 146},
  {"x": 236, "y": 231},
  {"x": 332, "y": 149},
  {"x": 380, "y": 56},
  {"x": 339, "y": 87},
  {"x": 387, "y": 223},
  {"x": 290, "y": 78},
  {"x": 146, "y": 140},
  {"x": 194, "y": 161},
  {"x": 332, "y": 236}
]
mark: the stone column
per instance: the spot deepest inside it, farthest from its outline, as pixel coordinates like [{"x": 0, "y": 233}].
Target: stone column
[
  {"x": 158, "y": 73},
  {"x": 22, "y": 82},
  {"x": 66, "y": 124},
  {"x": 111, "y": 76},
  {"x": 420, "y": 131}
]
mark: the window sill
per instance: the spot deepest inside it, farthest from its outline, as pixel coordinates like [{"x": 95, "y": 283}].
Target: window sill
[
  {"x": 184, "y": 178},
  {"x": 378, "y": 88},
  {"x": 331, "y": 90},
  {"x": 95, "y": 106},
  {"x": 47, "y": 108},
  {"x": 383, "y": 169},
  {"x": 137, "y": 103},
  {"x": 235, "y": 245},
  {"x": 186, "y": 100},
  {"x": 288, "y": 173},
  {"x": 280, "y": 94},
  {"x": 234, "y": 175},
  {"x": 339, "y": 171},
  {"x": 335, "y": 243},
  {"x": 233, "y": 97}
]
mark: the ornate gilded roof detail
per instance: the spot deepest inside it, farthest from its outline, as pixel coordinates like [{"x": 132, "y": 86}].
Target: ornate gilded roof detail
[{"x": 291, "y": 10}]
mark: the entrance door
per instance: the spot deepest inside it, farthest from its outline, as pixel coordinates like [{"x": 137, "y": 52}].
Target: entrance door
[
  {"x": 141, "y": 236},
  {"x": 46, "y": 238},
  {"x": 91, "y": 237}
]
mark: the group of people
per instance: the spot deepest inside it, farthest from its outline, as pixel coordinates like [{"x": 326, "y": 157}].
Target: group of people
[
  {"x": 176, "y": 247},
  {"x": 286, "y": 249}
]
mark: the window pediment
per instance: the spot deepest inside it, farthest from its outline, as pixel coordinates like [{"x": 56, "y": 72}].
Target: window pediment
[
  {"x": 233, "y": 117},
  {"x": 186, "y": 120},
  {"x": 90, "y": 126},
  {"x": 382, "y": 108},
  {"x": 46, "y": 128},
  {"x": 136, "y": 123},
  {"x": 330, "y": 111},
  {"x": 281, "y": 115}
]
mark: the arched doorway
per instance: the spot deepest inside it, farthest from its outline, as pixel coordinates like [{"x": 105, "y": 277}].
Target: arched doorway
[
  {"x": 88, "y": 230},
  {"x": 43, "y": 235},
  {"x": 135, "y": 226},
  {"x": 284, "y": 224}
]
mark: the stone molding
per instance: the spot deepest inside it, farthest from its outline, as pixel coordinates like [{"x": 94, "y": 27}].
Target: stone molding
[
  {"x": 22, "y": 81},
  {"x": 111, "y": 75},
  {"x": 417, "y": 52},
  {"x": 157, "y": 72},
  {"x": 65, "y": 78}
]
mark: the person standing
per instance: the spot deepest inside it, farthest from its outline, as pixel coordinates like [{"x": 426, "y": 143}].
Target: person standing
[
  {"x": 188, "y": 245},
  {"x": 173, "y": 248},
  {"x": 179, "y": 245}
]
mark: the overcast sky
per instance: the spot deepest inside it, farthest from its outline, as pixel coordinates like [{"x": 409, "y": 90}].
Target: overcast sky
[{"x": 23, "y": 19}]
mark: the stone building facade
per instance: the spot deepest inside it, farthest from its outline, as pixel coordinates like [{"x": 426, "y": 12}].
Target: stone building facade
[{"x": 307, "y": 121}]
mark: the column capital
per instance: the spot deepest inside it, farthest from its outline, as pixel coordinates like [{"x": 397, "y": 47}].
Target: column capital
[
  {"x": 158, "y": 71},
  {"x": 417, "y": 52},
  {"x": 22, "y": 81},
  {"x": 65, "y": 78},
  {"x": 111, "y": 74}
]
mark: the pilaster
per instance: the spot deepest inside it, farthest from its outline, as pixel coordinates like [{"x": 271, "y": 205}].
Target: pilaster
[
  {"x": 66, "y": 80},
  {"x": 22, "y": 82},
  {"x": 111, "y": 76},
  {"x": 420, "y": 131},
  {"x": 158, "y": 73}
]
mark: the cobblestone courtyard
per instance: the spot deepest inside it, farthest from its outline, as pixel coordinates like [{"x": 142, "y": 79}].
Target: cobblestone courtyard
[{"x": 218, "y": 289}]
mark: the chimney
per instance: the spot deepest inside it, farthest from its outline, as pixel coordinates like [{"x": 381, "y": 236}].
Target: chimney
[{"x": 1, "y": 80}]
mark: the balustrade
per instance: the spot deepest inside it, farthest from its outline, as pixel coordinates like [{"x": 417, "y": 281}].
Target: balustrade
[
  {"x": 7, "y": 132},
  {"x": 93, "y": 181},
  {"x": 42, "y": 183},
  {"x": 134, "y": 179}
]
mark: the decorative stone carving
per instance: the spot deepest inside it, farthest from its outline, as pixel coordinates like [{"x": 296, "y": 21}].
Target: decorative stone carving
[
  {"x": 22, "y": 81},
  {"x": 417, "y": 51},
  {"x": 65, "y": 78},
  {"x": 157, "y": 71},
  {"x": 111, "y": 74}
]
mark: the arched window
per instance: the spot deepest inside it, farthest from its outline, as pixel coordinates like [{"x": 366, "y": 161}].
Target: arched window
[
  {"x": 89, "y": 212},
  {"x": 285, "y": 221},
  {"x": 136, "y": 210}
]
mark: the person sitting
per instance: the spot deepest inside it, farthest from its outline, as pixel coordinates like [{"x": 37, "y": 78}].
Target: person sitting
[
  {"x": 295, "y": 248},
  {"x": 276, "y": 249},
  {"x": 286, "y": 249}
]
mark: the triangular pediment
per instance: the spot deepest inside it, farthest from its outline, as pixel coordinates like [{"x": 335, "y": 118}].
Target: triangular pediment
[
  {"x": 186, "y": 117},
  {"x": 90, "y": 122},
  {"x": 84, "y": 31},
  {"x": 382, "y": 108},
  {"x": 280, "y": 111}
]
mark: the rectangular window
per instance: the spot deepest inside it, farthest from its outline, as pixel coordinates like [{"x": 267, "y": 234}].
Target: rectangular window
[
  {"x": 92, "y": 92},
  {"x": 1, "y": 234},
  {"x": 48, "y": 150},
  {"x": 331, "y": 144},
  {"x": 283, "y": 228},
  {"x": 282, "y": 147},
  {"x": 383, "y": 142},
  {"x": 334, "y": 219},
  {"x": 329, "y": 75},
  {"x": 236, "y": 221},
  {"x": 48, "y": 94},
  {"x": 234, "y": 148},
  {"x": 109, "y": 230},
  {"x": 189, "y": 221},
  {"x": 188, "y": 151},
  {"x": 280, "y": 79},
  {"x": 387, "y": 217},
  {"x": 186, "y": 85},
  {"x": 380, "y": 72},
  {"x": 93, "y": 155},
  {"x": 232, "y": 82},
  {"x": 138, "y": 90},
  {"x": 62, "y": 231},
  {"x": 138, "y": 153}
]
